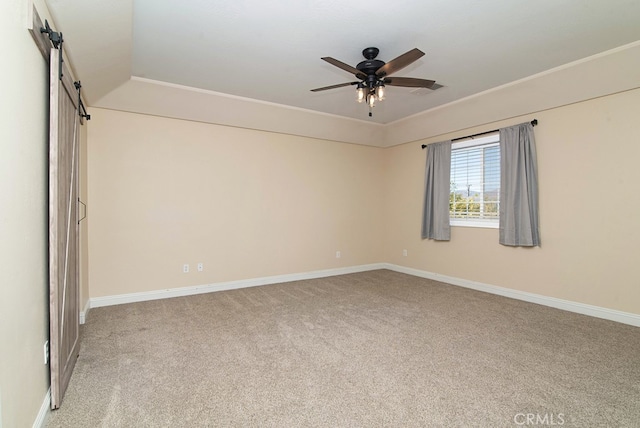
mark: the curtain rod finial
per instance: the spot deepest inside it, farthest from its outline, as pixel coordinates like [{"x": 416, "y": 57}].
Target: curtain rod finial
[
  {"x": 424, "y": 146},
  {"x": 534, "y": 122}
]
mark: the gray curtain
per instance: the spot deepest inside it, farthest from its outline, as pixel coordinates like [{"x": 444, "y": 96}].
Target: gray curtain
[
  {"x": 435, "y": 216},
  {"x": 518, "y": 187}
]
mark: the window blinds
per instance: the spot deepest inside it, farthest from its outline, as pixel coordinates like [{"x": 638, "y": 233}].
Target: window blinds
[{"x": 475, "y": 180}]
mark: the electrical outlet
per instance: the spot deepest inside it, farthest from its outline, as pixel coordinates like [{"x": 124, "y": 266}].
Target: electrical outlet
[
  {"x": 338, "y": 254},
  {"x": 185, "y": 268},
  {"x": 46, "y": 352},
  {"x": 405, "y": 253},
  {"x": 200, "y": 267}
]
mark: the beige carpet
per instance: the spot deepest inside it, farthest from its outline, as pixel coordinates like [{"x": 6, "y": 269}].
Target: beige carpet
[{"x": 370, "y": 349}]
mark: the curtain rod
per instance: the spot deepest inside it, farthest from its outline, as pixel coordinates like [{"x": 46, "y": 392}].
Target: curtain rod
[{"x": 534, "y": 122}]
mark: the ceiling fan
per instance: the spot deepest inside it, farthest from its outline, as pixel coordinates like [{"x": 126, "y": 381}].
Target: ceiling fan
[{"x": 372, "y": 75}]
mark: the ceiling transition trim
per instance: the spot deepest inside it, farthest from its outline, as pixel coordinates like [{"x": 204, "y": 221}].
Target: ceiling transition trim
[{"x": 574, "y": 82}]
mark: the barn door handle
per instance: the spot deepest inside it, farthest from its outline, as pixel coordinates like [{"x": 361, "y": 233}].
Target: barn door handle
[{"x": 85, "y": 211}]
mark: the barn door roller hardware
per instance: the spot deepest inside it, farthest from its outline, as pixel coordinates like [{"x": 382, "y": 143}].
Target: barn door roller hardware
[
  {"x": 82, "y": 111},
  {"x": 56, "y": 40}
]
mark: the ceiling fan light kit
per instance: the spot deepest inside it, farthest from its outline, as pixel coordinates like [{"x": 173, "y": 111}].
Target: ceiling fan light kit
[{"x": 372, "y": 75}]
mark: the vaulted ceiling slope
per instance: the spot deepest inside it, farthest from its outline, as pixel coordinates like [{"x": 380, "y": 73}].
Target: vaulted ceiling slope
[{"x": 252, "y": 63}]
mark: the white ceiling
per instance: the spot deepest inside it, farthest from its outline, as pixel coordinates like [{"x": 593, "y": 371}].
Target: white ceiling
[{"x": 271, "y": 50}]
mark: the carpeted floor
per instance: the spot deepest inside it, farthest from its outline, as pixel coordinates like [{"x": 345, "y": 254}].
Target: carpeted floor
[{"x": 369, "y": 349}]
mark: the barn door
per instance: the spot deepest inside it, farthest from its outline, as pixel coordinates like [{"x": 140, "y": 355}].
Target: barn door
[{"x": 64, "y": 303}]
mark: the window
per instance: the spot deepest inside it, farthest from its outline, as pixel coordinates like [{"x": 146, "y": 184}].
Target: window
[{"x": 474, "y": 198}]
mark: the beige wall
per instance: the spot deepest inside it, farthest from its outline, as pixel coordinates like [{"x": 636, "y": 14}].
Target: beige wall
[
  {"x": 248, "y": 204},
  {"x": 588, "y": 173},
  {"x": 24, "y": 378}
]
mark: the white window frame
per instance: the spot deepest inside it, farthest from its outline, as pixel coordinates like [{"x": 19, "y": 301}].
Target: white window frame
[{"x": 491, "y": 139}]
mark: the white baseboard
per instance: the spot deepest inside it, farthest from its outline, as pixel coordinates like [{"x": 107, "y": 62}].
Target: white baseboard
[
  {"x": 567, "y": 305},
  {"x": 96, "y": 302},
  {"x": 43, "y": 414},
  {"x": 85, "y": 312}
]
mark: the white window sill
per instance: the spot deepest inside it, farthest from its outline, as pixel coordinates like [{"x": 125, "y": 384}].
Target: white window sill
[{"x": 486, "y": 224}]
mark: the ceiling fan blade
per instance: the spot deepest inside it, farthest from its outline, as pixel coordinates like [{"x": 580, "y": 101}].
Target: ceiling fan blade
[
  {"x": 409, "y": 82},
  {"x": 339, "y": 85},
  {"x": 400, "y": 62},
  {"x": 345, "y": 67}
]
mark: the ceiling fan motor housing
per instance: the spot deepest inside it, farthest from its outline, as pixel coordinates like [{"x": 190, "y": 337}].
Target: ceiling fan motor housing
[{"x": 370, "y": 65}]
